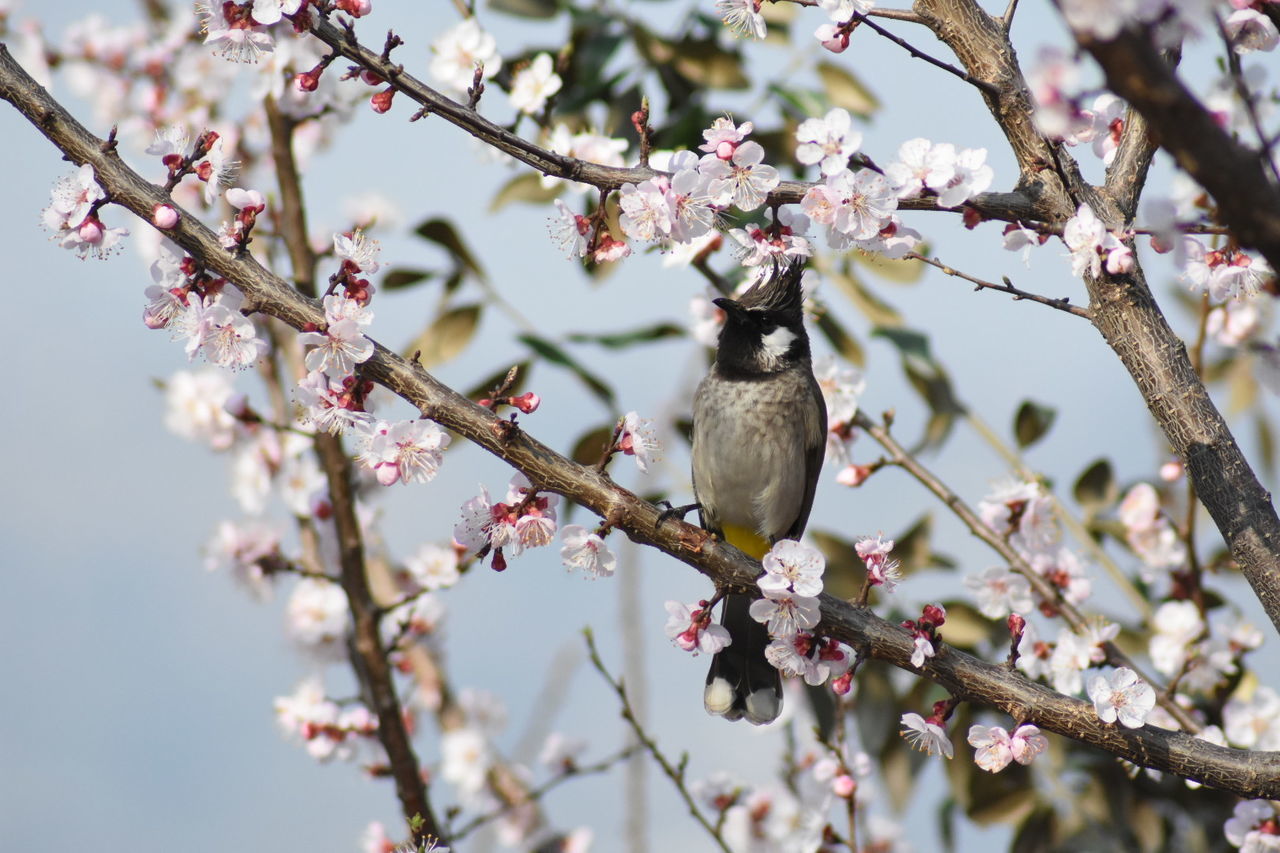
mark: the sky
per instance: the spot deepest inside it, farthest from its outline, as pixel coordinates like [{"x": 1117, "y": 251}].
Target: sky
[{"x": 140, "y": 686}]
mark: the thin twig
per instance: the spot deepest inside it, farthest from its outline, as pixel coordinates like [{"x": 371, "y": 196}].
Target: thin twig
[
  {"x": 1062, "y": 304},
  {"x": 988, "y": 88},
  {"x": 1046, "y": 590},
  {"x": 675, "y": 774},
  {"x": 573, "y": 772}
]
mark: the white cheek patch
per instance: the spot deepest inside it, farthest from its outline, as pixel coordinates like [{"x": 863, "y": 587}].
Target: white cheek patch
[{"x": 775, "y": 345}]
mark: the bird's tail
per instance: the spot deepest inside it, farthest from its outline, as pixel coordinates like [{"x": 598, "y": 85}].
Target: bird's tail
[{"x": 741, "y": 682}]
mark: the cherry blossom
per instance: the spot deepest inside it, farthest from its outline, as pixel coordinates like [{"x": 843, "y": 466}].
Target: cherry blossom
[
  {"x": 999, "y": 592},
  {"x": 1253, "y": 827},
  {"x": 338, "y": 349},
  {"x": 586, "y": 551},
  {"x": 240, "y": 549},
  {"x": 1253, "y": 722},
  {"x": 828, "y": 141},
  {"x": 466, "y": 757},
  {"x": 724, "y": 137},
  {"x": 802, "y": 655},
  {"x": 195, "y": 407},
  {"x": 784, "y": 612},
  {"x": 637, "y": 438},
  {"x": 742, "y": 17},
  {"x": 689, "y": 626},
  {"x": 358, "y": 250},
  {"x": 1176, "y": 626},
  {"x": 333, "y": 405},
  {"x": 404, "y": 451},
  {"x": 926, "y": 735},
  {"x": 994, "y": 747},
  {"x": 432, "y": 567},
  {"x": 1122, "y": 696},
  {"x": 843, "y": 10},
  {"x": 317, "y": 615},
  {"x": 1019, "y": 237},
  {"x": 233, "y": 32},
  {"x": 881, "y": 571},
  {"x": 570, "y": 231},
  {"x": 458, "y": 51},
  {"x": 646, "y": 215},
  {"x": 219, "y": 331},
  {"x": 532, "y": 85},
  {"x": 743, "y": 180},
  {"x": 1250, "y": 30}
]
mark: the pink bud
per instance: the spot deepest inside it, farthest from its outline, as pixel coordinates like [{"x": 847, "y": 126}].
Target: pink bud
[
  {"x": 91, "y": 231},
  {"x": 725, "y": 150},
  {"x": 164, "y": 216},
  {"x": 832, "y": 38},
  {"x": 1171, "y": 472},
  {"x": 153, "y": 321},
  {"x": 933, "y": 615},
  {"x": 355, "y": 8},
  {"x": 387, "y": 473},
  {"x": 843, "y": 786},
  {"x": 1016, "y": 624},
  {"x": 527, "y": 402},
  {"x": 842, "y": 684},
  {"x": 853, "y": 475},
  {"x": 381, "y": 102},
  {"x": 307, "y": 81}
]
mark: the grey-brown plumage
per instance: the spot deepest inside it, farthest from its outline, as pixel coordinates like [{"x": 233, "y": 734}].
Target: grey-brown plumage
[{"x": 759, "y": 435}]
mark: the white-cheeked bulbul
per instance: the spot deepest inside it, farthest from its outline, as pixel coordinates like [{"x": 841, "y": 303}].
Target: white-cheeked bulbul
[{"x": 759, "y": 436}]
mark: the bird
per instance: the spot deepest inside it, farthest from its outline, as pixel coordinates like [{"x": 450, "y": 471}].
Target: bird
[{"x": 759, "y": 437}]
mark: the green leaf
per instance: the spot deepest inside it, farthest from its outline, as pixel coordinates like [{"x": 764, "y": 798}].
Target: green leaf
[
  {"x": 554, "y": 354},
  {"x": 879, "y": 312},
  {"x": 402, "y": 277},
  {"x": 798, "y": 103},
  {"x": 928, "y": 379},
  {"x": 620, "y": 340},
  {"x": 898, "y": 271},
  {"x": 841, "y": 340},
  {"x": 525, "y": 187},
  {"x": 448, "y": 335},
  {"x": 914, "y": 551},
  {"x": 526, "y": 8},
  {"x": 442, "y": 233},
  {"x": 705, "y": 62},
  {"x": 845, "y": 90},
  {"x": 1031, "y": 422},
  {"x": 1095, "y": 488},
  {"x": 590, "y": 446},
  {"x": 485, "y": 386},
  {"x": 846, "y": 572}
]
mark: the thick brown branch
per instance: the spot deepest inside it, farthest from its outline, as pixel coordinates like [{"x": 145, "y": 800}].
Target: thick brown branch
[
  {"x": 1247, "y": 198},
  {"x": 1249, "y": 774}
]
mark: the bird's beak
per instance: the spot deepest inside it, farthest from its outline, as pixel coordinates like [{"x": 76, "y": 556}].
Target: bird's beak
[{"x": 729, "y": 306}]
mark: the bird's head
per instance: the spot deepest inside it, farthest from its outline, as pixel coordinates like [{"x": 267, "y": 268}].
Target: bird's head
[{"x": 764, "y": 328}]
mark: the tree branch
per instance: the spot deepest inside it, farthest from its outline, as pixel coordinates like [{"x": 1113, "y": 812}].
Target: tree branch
[{"x": 1248, "y": 774}]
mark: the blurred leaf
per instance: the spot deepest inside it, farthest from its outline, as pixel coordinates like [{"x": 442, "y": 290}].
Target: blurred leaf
[
  {"x": 876, "y": 711},
  {"x": 590, "y": 446},
  {"x": 442, "y": 233},
  {"x": 879, "y": 312},
  {"x": 705, "y": 62},
  {"x": 899, "y": 271},
  {"x": 800, "y": 103},
  {"x": 1031, "y": 422},
  {"x": 684, "y": 428},
  {"x": 526, "y": 187},
  {"x": 966, "y": 627},
  {"x": 846, "y": 572},
  {"x": 1266, "y": 440},
  {"x": 485, "y": 386},
  {"x": 840, "y": 339},
  {"x": 1242, "y": 385},
  {"x": 620, "y": 340},
  {"x": 448, "y": 334},
  {"x": 913, "y": 549},
  {"x": 928, "y": 379},
  {"x": 402, "y": 277},
  {"x": 554, "y": 354},
  {"x": 526, "y": 8},
  {"x": 1095, "y": 489},
  {"x": 847, "y": 91}
]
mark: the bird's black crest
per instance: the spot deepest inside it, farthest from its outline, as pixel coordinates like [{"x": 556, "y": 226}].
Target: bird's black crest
[{"x": 780, "y": 292}]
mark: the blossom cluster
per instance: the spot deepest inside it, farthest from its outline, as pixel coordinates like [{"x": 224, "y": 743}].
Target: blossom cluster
[
  {"x": 790, "y": 610},
  {"x": 525, "y": 519}
]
